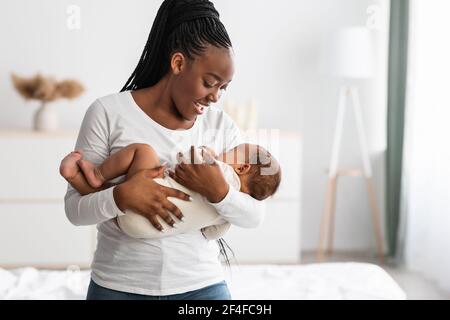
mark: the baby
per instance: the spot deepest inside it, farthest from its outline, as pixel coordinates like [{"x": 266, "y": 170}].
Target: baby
[{"x": 247, "y": 168}]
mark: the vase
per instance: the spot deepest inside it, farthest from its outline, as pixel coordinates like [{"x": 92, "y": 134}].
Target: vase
[{"x": 46, "y": 118}]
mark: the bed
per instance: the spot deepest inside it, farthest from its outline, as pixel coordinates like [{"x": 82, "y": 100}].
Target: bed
[{"x": 336, "y": 281}]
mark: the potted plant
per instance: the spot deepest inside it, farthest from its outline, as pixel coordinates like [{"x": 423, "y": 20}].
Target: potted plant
[{"x": 46, "y": 90}]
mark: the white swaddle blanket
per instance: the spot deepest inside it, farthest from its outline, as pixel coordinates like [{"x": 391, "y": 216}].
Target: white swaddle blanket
[{"x": 197, "y": 213}]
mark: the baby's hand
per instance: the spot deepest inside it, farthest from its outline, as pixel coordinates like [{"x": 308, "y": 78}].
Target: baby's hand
[
  {"x": 204, "y": 177},
  {"x": 197, "y": 155},
  {"x": 210, "y": 151}
]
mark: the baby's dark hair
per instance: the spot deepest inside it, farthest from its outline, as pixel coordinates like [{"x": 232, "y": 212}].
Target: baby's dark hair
[{"x": 265, "y": 173}]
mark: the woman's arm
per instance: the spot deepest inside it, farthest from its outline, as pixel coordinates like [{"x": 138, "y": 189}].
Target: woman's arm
[
  {"x": 139, "y": 193},
  {"x": 241, "y": 209},
  {"x": 234, "y": 206},
  {"x": 93, "y": 140},
  {"x": 237, "y": 207}
]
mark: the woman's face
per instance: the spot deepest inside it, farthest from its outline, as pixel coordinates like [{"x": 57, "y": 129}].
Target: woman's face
[{"x": 199, "y": 82}]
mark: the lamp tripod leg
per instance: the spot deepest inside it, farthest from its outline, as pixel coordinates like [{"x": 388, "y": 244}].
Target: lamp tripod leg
[
  {"x": 325, "y": 220},
  {"x": 332, "y": 215},
  {"x": 327, "y": 223}
]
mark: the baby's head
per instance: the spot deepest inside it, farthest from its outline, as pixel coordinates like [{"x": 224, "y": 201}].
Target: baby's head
[{"x": 258, "y": 170}]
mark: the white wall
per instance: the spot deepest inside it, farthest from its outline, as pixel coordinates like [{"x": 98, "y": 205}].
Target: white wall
[
  {"x": 278, "y": 50},
  {"x": 277, "y": 45}
]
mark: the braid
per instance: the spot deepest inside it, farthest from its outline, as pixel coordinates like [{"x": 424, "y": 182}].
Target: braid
[
  {"x": 223, "y": 246},
  {"x": 187, "y": 26}
]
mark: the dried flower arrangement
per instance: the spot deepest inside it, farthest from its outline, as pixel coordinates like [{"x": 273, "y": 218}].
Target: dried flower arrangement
[{"x": 46, "y": 89}]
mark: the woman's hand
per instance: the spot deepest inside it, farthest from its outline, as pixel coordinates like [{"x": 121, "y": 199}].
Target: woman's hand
[
  {"x": 144, "y": 196},
  {"x": 204, "y": 177}
]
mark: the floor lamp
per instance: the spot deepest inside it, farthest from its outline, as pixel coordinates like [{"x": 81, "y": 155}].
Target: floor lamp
[{"x": 351, "y": 57}]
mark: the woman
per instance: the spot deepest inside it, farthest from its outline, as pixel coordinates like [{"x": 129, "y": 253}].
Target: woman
[{"x": 186, "y": 63}]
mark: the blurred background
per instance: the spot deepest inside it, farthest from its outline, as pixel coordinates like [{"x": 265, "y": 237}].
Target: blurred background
[{"x": 353, "y": 89}]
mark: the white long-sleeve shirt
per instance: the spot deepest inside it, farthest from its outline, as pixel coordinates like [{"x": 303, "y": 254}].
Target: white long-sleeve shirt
[{"x": 169, "y": 265}]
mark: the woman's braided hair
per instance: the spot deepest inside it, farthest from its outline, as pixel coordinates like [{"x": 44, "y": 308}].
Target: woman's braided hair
[{"x": 186, "y": 26}]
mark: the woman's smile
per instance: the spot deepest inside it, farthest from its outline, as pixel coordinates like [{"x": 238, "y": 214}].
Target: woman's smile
[{"x": 200, "y": 109}]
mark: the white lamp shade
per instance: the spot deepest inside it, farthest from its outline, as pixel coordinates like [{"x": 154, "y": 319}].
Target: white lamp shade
[{"x": 350, "y": 53}]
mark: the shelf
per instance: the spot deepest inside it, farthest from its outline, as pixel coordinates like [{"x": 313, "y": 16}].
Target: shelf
[{"x": 28, "y": 133}]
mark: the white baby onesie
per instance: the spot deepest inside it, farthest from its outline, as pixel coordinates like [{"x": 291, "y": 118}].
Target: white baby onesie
[{"x": 198, "y": 213}]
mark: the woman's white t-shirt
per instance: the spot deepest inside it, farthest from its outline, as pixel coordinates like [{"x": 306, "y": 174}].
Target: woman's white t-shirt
[{"x": 169, "y": 265}]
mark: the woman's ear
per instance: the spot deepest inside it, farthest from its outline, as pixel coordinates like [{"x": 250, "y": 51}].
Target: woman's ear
[{"x": 177, "y": 63}]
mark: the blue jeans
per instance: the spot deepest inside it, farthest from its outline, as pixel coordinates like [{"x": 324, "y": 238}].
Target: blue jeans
[{"x": 218, "y": 291}]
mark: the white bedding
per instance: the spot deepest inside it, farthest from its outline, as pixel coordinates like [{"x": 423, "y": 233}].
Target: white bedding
[{"x": 271, "y": 282}]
